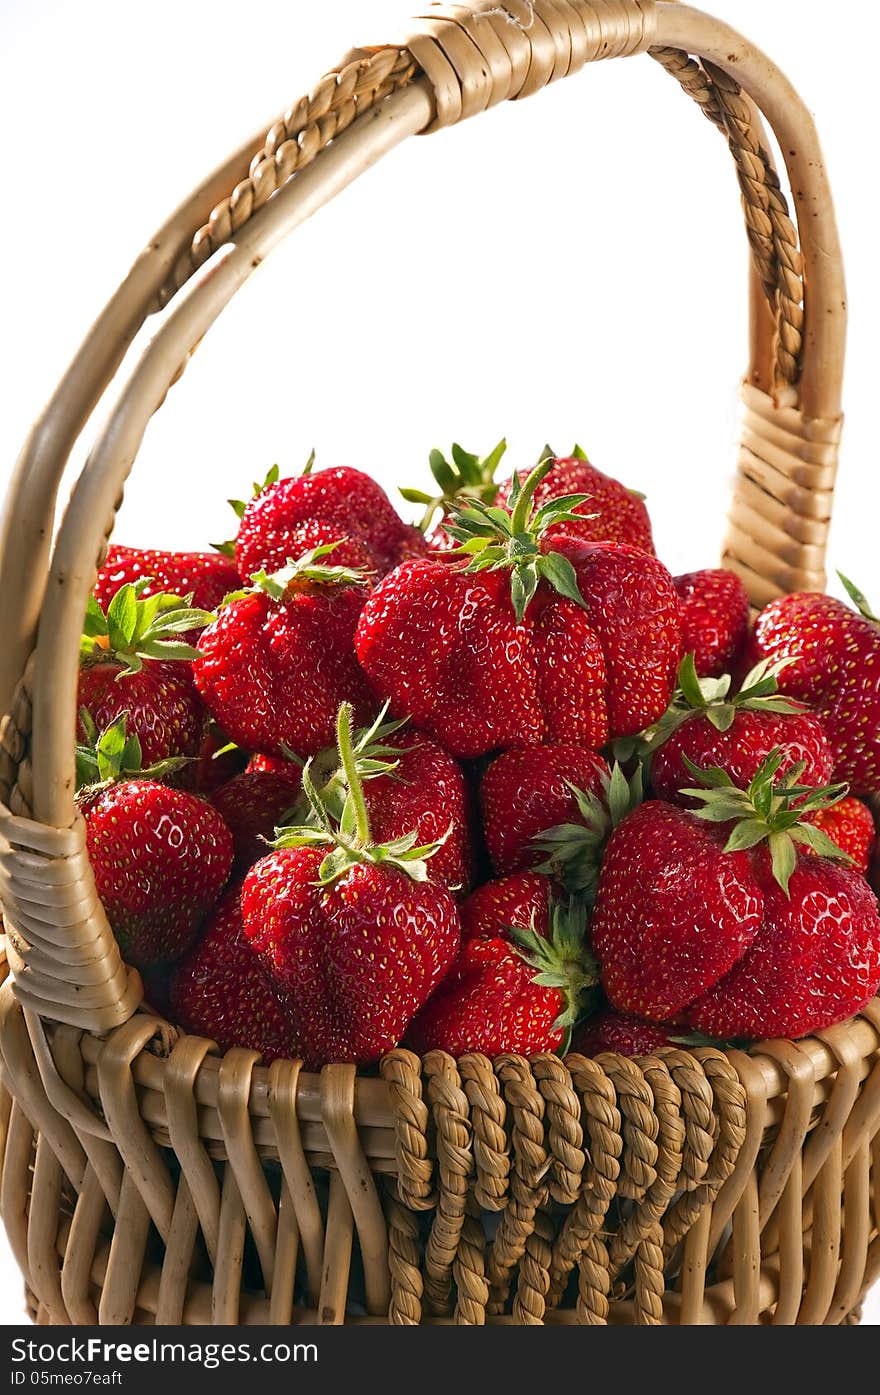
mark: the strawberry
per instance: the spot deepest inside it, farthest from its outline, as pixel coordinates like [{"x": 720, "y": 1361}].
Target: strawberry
[
  {"x": 609, "y": 513},
  {"x": 815, "y": 962},
  {"x": 279, "y": 659},
  {"x": 526, "y": 790},
  {"x": 618, "y": 1031},
  {"x": 520, "y": 980},
  {"x": 351, "y": 929},
  {"x": 577, "y": 643},
  {"x": 674, "y": 911},
  {"x": 849, "y": 825},
  {"x": 715, "y": 606},
  {"x": 160, "y": 857},
  {"x": 253, "y": 804},
  {"x": 720, "y": 917},
  {"x": 707, "y": 726},
  {"x": 833, "y": 663},
  {"x": 292, "y": 516},
  {"x": 206, "y": 577},
  {"x": 220, "y": 990},
  {"x": 518, "y": 899},
  {"x": 133, "y": 662}
]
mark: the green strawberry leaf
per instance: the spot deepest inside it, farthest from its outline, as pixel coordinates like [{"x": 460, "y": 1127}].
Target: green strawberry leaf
[
  {"x": 859, "y": 599},
  {"x": 561, "y": 575},
  {"x": 783, "y": 858}
]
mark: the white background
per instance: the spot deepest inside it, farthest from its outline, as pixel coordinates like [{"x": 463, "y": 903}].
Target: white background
[{"x": 568, "y": 268}]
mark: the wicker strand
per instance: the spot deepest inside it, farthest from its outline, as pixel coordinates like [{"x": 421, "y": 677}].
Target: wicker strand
[
  {"x": 599, "y": 1187},
  {"x": 533, "y": 1287},
  {"x": 641, "y": 1224},
  {"x": 650, "y": 1282},
  {"x": 565, "y": 1134},
  {"x": 728, "y": 1134},
  {"x": 405, "y": 1309},
  {"x": 469, "y": 1272},
  {"x": 401, "y": 1071},
  {"x": 594, "y": 1284},
  {"x": 528, "y": 1190},
  {"x": 488, "y": 1118},
  {"x": 455, "y": 1161},
  {"x": 292, "y": 143},
  {"x": 771, "y": 231}
]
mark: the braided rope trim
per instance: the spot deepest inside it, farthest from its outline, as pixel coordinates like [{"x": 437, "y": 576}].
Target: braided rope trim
[
  {"x": 344, "y": 94},
  {"x": 293, "y": 142},
  {"x": 772, "y": 234},
  {"x": 549, "y": 1168}
]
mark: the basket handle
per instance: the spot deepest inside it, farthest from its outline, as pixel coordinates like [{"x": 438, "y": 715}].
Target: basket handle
[{"x": 789, "y": 446}]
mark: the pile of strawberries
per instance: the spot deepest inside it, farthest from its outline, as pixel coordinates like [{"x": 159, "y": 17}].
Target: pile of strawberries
[{"x": 495, "y": 783}]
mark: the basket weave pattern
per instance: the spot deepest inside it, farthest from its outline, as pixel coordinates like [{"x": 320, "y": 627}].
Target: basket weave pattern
[{"x": 149, "y": 1178}]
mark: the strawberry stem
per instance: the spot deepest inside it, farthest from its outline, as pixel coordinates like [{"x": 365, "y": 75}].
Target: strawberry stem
[{"x": 352, "y": 774}]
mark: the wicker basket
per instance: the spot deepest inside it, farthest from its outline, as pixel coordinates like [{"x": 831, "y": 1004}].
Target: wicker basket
[{"x": 148, "y": 1178}]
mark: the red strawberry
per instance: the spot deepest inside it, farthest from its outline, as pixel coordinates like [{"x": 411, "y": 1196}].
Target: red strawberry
[
  {"x": 220, "y": 990},
  {"x": 341, "y": 503},
  {"x": 739, "y": 939},
  {"x": 161, "y": 858},
  {"x": 353, "y": 931},
  {"x": 708, "y": 727},
  {"x": 577, "y": 644},
  {"x": 815, "y": 962},
  {"x": 206, "y": 577},
  {"x": 132, "y": 663},
  {"x": 618, "y": 1031},
  {"x": 674, "y": 911},
  {"x": 610, "y": 512},
  {"x": 278, "y": 660},
  {"x": 253, "y": 805},
  {"x": 849, "y": 824},
  {"x": 520, "y": 899},
  {"x": 425, "y": 790},
  {"x": 833, "y": 664},
  {"x": 519, "y": 981},
  {"x": 525, "y": 791},
  {"x": 716, "y": 611}
]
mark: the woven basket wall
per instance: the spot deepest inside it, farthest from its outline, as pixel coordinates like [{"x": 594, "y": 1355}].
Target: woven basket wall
[{"x": 148, "y": 1177}]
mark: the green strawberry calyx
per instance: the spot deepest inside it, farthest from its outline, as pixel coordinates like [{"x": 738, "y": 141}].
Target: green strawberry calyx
[
  {"x": 859, "y": 599},
  {"x": 574, "y": 850},
  {"x": 464, "y": 477},
  {"x": 771, "y": 810},
  {"x": 495, "y": 538},
  {"x": 302, "y": 574},
  {"x": 348, "y": 836},
  {"x": 712, "y": 699},
  {"x": 561, "y": 960},
  {"x": 135, "y": 627},
  {"x": 111, "y": 755}
]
